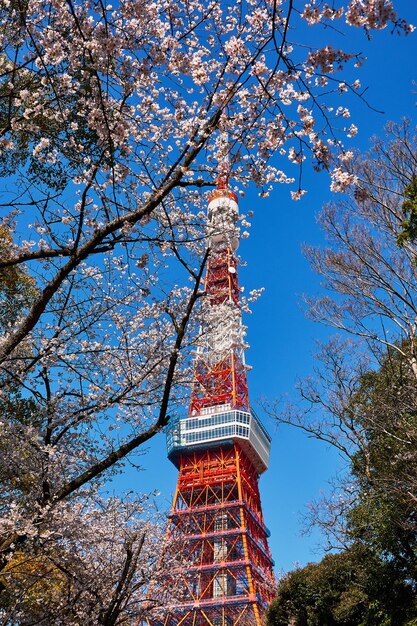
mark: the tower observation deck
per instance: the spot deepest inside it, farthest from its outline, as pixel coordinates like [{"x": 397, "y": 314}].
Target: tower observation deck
[{"x": 220, "y": 449}]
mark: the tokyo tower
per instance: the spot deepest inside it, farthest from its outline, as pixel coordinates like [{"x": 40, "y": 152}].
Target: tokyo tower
[{"x": 220, "y": 450}]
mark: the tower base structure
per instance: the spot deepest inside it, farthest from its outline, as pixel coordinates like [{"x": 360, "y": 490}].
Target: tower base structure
[{"x": 226, "y": 578}]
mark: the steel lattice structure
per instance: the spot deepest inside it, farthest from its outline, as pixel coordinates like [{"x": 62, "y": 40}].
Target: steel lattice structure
[{"x": 220, "y": 449}]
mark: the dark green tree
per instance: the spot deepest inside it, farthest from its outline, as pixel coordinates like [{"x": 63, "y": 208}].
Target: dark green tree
[
  {"x": 409, "y": 207},
  {"x": 374, "y": 581},
  {"x": 352, "y": 588},
  {"x": 384, "y": 515}
]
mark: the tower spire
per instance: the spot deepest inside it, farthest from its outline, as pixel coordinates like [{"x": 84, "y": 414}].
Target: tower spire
[
  {"x": 223, "y": 171},
  {"x": 220, "y": 371},
  {"x": 223, "y": 176}
]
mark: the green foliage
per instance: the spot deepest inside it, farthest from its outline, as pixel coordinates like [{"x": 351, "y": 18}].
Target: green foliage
[
  {"x": 409, "y": 208},
  {"x": 384, "y": 516},
  {"x": 374, "y": 581},
  {"x": 17, "y": 287},
  {"x": 17, "y": 293},
  {"x": 352, "y": 588}
]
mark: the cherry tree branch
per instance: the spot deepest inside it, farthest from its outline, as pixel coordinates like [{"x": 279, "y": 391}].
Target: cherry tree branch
[{"x": 163, "y": 418}]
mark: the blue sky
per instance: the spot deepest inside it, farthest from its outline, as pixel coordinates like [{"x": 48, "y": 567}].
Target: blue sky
[{"x": 282, "y": 340}]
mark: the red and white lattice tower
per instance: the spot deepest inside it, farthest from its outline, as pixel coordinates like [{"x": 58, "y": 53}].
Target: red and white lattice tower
[{"x": 220, "y": 449}]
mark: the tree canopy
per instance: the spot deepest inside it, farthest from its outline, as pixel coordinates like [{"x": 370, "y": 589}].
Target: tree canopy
[
  {"x": 374, "y": 580},
  {"x": 352, "y": 588}
]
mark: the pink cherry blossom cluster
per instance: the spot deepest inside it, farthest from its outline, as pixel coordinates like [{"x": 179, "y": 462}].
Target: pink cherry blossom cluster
[{"x": 342, "y": 180}]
